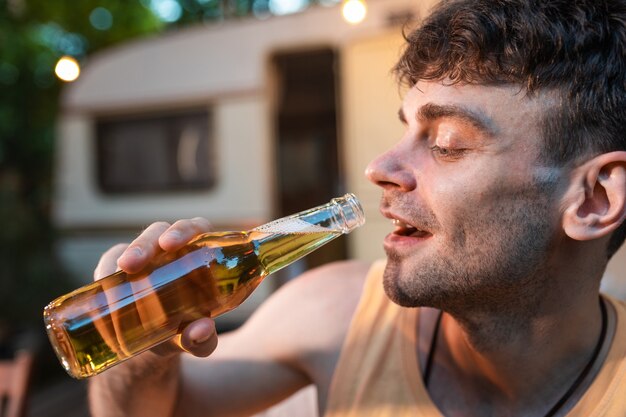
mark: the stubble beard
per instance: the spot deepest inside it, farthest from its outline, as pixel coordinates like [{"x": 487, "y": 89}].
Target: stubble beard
[{"x": 497, "y": 261}]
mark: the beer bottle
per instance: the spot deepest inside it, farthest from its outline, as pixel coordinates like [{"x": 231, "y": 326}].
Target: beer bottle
[{"x": 122, "y": 315}]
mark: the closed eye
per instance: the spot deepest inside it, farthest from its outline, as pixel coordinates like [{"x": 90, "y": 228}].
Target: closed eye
[{"x": 447, "y": 153}]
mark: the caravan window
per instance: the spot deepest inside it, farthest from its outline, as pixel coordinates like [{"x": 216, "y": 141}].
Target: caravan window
[{"x": 155, "y": 152}]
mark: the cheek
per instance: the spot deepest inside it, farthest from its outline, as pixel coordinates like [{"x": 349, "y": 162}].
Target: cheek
[
  {"x": 454, "y": 206},
  {"x": 476, "y": 200}
]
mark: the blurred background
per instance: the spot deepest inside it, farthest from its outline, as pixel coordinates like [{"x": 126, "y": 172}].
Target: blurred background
[{"x": 115, "y": 114}]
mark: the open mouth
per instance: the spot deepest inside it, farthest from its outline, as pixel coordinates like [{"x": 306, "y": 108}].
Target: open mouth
[{"x": 404, "y": 229}]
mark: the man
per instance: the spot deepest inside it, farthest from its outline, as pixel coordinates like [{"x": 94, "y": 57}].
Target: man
[{"x": 507, "y": 192}]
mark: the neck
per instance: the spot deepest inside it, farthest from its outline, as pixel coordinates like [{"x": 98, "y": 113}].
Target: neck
[
  {"x": 520, "y": 360},
  {"x": 516, "y": 341},
  {"x": 535, "y": 317}
]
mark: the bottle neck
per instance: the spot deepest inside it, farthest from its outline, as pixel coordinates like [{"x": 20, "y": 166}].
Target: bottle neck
[
  {"x": 277, "y": 250},
  {"x": 341, "y": 215},
  {"x": 285, "y": 240}
]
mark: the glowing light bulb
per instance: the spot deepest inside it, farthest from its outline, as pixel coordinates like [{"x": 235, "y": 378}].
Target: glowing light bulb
[
  {"x": 67, "y": 69},
  {"x": 354, "y": 11}
]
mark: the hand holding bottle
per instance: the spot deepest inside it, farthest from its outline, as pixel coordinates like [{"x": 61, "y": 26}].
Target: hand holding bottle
[
  {"x": 155, "y": 374},
  {"x": 199, "y": 337}
]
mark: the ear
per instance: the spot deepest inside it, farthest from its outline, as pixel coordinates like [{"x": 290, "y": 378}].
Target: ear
[{"x": 596, "y": 203}]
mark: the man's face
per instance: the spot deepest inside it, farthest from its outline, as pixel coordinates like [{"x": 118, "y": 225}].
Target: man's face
[{"x": 475, "y": 212}]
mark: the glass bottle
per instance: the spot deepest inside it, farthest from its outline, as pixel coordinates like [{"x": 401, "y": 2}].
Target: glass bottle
[{"x": 122, "y": 315}]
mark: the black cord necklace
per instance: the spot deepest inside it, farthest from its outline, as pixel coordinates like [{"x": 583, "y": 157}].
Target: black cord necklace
[{"x": 581, "y": 377}]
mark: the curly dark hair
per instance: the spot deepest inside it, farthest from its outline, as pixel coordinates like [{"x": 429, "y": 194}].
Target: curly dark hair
[{"x": 575, "y": 48}]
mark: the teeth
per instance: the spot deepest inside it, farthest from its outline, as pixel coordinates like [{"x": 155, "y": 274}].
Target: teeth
[
  {"x": 399, "y": 223},
  {"x": 405, "y": 229}
]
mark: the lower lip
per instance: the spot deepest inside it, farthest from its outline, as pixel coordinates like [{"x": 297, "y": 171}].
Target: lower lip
[{"x": 396, "y": 241}]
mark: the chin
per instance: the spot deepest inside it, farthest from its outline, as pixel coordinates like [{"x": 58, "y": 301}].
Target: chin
[
  {"x": 397, "y": 291},
  {"x": 417, "y": 285}
]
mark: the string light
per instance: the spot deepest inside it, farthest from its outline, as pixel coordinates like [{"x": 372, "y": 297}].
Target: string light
[
  {"x": 354, "y": 11},
  {"x": 67, "y": 69}
]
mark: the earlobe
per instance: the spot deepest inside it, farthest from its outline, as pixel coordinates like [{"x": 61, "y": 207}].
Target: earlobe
[{"x": 597, "y": 203}]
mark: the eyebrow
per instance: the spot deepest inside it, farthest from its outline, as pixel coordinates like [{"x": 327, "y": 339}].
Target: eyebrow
[{"x": 431, "y": 111}]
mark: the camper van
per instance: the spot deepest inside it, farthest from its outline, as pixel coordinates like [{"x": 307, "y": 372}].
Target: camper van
[{"x": 240, "y": 122}]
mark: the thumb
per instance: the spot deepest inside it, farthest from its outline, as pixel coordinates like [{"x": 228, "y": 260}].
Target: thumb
[{"x": 199, "y": 337}]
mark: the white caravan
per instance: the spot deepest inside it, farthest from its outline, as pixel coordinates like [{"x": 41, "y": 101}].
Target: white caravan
[{"x": 239, "y": 122}]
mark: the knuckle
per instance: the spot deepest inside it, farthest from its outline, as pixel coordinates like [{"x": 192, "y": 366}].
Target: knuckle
[
  {"x": 180, "y": 224},
  {"x": 201, "y": 223},
  {"x": 159, "y": 225},
  {"x": 148, "y": 235},
  {"x": 106, "y": 263}
]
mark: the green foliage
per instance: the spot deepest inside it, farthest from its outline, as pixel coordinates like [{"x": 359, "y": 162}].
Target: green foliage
[{"x": 34, "y": 34}]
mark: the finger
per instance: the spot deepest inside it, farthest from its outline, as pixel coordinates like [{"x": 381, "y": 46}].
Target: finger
[
  {"x": 182, "y": 232},
  {"x": 142, "y": 249},
  {"x": 108, "y": 262},
  {"x": 199, "y": 338}
]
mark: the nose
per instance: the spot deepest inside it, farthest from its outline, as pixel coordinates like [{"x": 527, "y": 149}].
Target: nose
[{"x": 390, "y": 170}]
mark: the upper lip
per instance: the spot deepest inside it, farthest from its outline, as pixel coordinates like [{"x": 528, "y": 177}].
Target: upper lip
[
  {"x": 403, "y": 226},
  {"x": 403, "y": 222}
]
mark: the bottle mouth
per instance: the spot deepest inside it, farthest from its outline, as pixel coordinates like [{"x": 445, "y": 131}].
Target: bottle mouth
[{"x": 351, "y": 210}]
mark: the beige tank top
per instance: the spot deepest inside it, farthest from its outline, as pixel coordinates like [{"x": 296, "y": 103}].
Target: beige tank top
[{"x": 378, "y": 374}]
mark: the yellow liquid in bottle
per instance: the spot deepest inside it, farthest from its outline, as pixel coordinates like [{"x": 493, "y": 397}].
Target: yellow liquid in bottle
[{"x": 119, "y": 316}]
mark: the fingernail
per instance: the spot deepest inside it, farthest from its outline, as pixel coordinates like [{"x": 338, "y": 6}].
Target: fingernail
[
  {"x": 201, "y": 339},
  {"x": 173, "y": 235},
  {"x": 198, "y": 335},
  {"x": 135, "y": 251}
]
